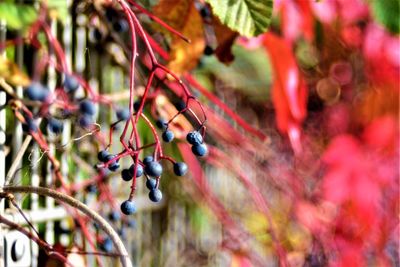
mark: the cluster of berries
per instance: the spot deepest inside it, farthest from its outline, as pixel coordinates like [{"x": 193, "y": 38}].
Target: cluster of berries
[
  {"x": 38, "y": 92},
  {"x": 196, "y": 140},
  {"x": 149, "y": 166}
]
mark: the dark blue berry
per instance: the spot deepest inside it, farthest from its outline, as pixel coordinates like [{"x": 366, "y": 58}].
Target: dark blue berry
[
  {"x": 91, "y": 189},
  {"x": 122, "y": 232},
  {"x": 131, "y": 223},
  {"x": 107, "y": 245},
  {"x": 136, "y": 105},
  {"x": 155, "y": 195},
  {"x": 37, "y": 92},
  {"x": 121, "y": 25},
  {"x": 109, "y": 157},
  {"x": 180, "y": 105},
  {"x": 85, "y": 121},
  {"x": 161, "y": 124},
  {"x": 110, "y": 14},
  {"x": 29, "y": 125},
  {"x": 139, "y": 170},
  {"x": 147, "y": 160},
  {"x": 126, "y": 175},
  {"x": 87, "y": 107},
  {"x": 208, "y": 50},
  {"x": 56, "y": 126},
  {"x": 97, "y": 35},
  {"x": 153, "y": 169},
  {"x": 180, "y": 168},
  {"x": 71, "y": 84},
  {"x": 199, "y": 150},
  {"x": 168, "y": 136},
  {"x": 205, "y": 12},
  {"x": 151, "y": 183},
  {"x": 128, "y": 207},
  {"x": 194, "y": 138},
  {"x": 96, "y": 225},
  {"x": 123, "y": 114},
  {"x": 113, "y": 166},
  {"x": 114, "y": 216},
  {"x": 102, "y": 155}
]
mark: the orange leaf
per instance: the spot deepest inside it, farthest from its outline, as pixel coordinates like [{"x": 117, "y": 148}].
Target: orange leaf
[
  {"x": 12, "y": 74},
  {"x": 183, "y": 16}
]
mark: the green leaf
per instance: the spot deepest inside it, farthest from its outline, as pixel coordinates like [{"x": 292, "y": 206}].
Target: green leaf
[
  {"x": 17, "y": 16},
  {"x": 59, "y": 8},
  {"x": 248, "y": 17},
  {"x": 387, "y": 12}
]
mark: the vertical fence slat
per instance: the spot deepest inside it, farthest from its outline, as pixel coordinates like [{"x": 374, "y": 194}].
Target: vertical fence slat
[
  {"x": 18, "y": 134},
  {"x": 51, "y": 83},
  {"x": 80, "y": 48},
  {"x": 66, "y": 133},
  {"x": 35, "y": 181},
  {"x": 2, "y": 141}
]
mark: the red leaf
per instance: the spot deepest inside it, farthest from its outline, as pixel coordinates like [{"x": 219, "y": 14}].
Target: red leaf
[
  {"x": 289, "y": 91},
  {"x": 381, "y": 133},
  {"x": 297, "y": 12}
]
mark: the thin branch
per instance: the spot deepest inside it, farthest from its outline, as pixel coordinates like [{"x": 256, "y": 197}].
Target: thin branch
[
  {"x": 120, "y": 248},
  {"x": 17, "y": 160},
  {"x": 49, "y": 249}
]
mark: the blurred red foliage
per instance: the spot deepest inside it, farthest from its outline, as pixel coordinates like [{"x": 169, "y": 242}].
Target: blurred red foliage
[
  {"x": 356, "y": 215},
  {"x": 289, "y": 91}
]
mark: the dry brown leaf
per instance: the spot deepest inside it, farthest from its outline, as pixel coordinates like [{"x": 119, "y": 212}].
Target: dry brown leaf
[
  {"x": 225, "y": 39},
  {"x": 10, "y": 72},
  {"x": 183, "y": 16}
]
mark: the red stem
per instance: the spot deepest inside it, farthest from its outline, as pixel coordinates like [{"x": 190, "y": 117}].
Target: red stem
[{"x": 159, "y": 21}]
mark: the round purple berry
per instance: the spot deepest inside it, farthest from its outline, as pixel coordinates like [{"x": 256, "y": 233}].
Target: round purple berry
[
  {"x": 85, "y": 121},
  {"x": 87, "y": 107},
  {"x": 168, "y": 136},
  {"x": 126, "y": 175},
  {"x": 151, "y": 183},
  {"x": 147, "y": 160},
  {"x": 71, "y": 84},
  {"x": 107, "y": 245},
  {"x": 180, "y": 168},
  {"x": 139, "y": 170},
  {"x": 153, "y": 169},
  {"x": 29, "y": 125},
  {"x": 123, "y": 114},
  {"x": 36, "y": 92},
  {"x": 155, "y": 195},
  {"x": 102, "y": 155},
  {"x": 161, "y": 124},
  {"x": 56, "y": 126},
  {"x": 128, "y": 207},
  {"x": 194, "y": 138},
  {"x": 199, "y": 150},
  {"x": 114, "y": 216}
]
